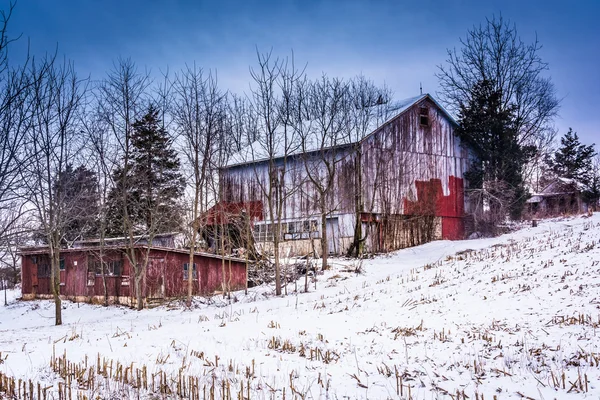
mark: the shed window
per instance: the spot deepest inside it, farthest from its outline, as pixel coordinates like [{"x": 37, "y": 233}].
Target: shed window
[
  {"x": 91, "y": 278},
  {"x": 111, "y": 267},
  {"x": 186, "y": 273},
  {"x": 424, "y": 116},
  {"x": 62, "y": 264},
  {"x": 43, "y": 270}
]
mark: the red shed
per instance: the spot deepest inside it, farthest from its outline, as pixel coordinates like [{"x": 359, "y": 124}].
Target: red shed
[{"x": 166, "y": 276}]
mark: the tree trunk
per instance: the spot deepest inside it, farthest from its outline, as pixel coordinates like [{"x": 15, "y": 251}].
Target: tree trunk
[
  {"x": 224, "y": 282},
  {"x": 104, "y": 286},
  {"x": 356, "y": 249},
  {"x": 191, "y": 270},
  {"x": 138, "y": 291},
  {"x": 102, "y": 266},
  {"x": 191, "y": 259},
  {"x": 55, "y": 284},
  {"x": 247, "y": 227},
  {"x": 324, "y": 242},
  {"x": 277, "y": 262}
]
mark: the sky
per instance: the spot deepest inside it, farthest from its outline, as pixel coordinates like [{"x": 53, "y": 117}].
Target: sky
[{"x": 398, "y": 43}]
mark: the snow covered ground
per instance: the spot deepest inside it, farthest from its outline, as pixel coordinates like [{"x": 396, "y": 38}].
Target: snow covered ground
[{"x": 509, "y": 317}]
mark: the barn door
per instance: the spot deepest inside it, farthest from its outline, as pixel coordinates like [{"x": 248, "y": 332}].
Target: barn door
[
  {"x": 333, "y": 235},
  {"x": 155, "y": 278}
]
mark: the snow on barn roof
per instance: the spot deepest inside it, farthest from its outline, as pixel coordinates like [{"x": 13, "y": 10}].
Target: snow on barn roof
[{"x": 257, "y": 151}]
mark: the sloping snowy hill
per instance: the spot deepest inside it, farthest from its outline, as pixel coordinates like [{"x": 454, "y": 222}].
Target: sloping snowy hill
[{"x": 509, "y": 317}]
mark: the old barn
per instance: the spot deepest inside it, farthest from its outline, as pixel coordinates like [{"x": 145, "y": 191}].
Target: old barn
[
  {"x": 82, "y": 277},
  {"x": 407, "y": 175}
]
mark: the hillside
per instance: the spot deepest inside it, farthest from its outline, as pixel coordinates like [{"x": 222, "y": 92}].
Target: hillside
[{"x": 509, "y": 317}]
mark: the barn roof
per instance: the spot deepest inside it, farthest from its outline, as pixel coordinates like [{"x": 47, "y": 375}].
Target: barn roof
[{"x": 257, "y": 151}]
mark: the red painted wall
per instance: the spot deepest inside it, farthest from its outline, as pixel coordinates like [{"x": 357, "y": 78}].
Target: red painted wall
[
  {"x": 451, "y": 208},
  {"x": 164, "y": 275}
]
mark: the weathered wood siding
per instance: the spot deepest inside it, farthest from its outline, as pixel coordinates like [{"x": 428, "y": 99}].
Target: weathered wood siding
[
  {"x": 249, "y": 182},
  {"x": 412, "y": 182},
  {"x": 403, "y": 152},
  {"x": 164, "y": 276}
]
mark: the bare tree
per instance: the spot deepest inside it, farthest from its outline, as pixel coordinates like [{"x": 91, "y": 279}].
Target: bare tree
[
  {"x": 199, "y": 112},
  {"x": 100, "y": 146},
  {"x": 121, "y": 97},
  {"x": 327, "y": 114},
  {"x": 369, "y": 109},
  {"x": 241, "y": 124},
  {"x": 16, "y": 228},
  {"x": 274, "y": 107},
  {"x": 15, "y": 87},
  {"x": 494, "y": 52},
  {"x": 56, "y": 96}
]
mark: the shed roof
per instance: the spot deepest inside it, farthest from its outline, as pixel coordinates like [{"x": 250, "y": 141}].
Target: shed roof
[
  {"x": 561, "y": 186},
  {"x": 26, "y": 251}
]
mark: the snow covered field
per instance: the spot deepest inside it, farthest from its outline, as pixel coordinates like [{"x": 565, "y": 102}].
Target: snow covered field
[{"x": 510, "y": 317}]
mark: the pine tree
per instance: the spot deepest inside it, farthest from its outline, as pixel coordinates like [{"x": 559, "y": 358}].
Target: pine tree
[
  {"x": 79, "y": 199},
  {"x": 573, "y": 160},
  {"x": 155, "y": 183},
  {"x": 488, "y": 129}
]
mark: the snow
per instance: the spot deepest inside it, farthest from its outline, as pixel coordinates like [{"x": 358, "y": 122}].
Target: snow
[{"x": 505, "y": 317}]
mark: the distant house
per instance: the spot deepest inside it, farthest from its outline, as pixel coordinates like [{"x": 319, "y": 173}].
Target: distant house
[
  {"x": 561, "y": 196},
  {"x": 411, "y": 185},
  {"x": 166, "y": 277}
]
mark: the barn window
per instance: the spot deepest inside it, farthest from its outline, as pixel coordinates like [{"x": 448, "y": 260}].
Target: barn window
[
  {"x": 62, "y": 264},
  {"x": 186, "y": 273},
  {"x": 263, "y": 232},
  {"x": 297, "y": 230},
  {"x": 424, "y": 116}
]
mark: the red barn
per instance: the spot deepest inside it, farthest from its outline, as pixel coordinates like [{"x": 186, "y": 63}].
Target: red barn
[{"x": 166, "y": 276}]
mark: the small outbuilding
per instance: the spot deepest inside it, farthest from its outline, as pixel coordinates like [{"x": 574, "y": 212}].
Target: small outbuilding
[
  {"x": 87, "y": 275},
  {"x": 561, "y": 196}
]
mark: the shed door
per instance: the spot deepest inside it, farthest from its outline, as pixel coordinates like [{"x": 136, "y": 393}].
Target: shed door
[
  {"x": 34, "y": 273},
  {"x": 155, "y": 278},
  {"x": 63, "y": 273}
]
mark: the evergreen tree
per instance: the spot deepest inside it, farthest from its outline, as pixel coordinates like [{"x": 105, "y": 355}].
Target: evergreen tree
[
  {"x": 155, "y": 183},
  {"x": 79, "y": 200},
  {"x": 573, "y": 160},
  {"x": 489, "y": 129}
]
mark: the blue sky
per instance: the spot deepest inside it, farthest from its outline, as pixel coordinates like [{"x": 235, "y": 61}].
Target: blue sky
[{"x": 396, "y": 42}]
